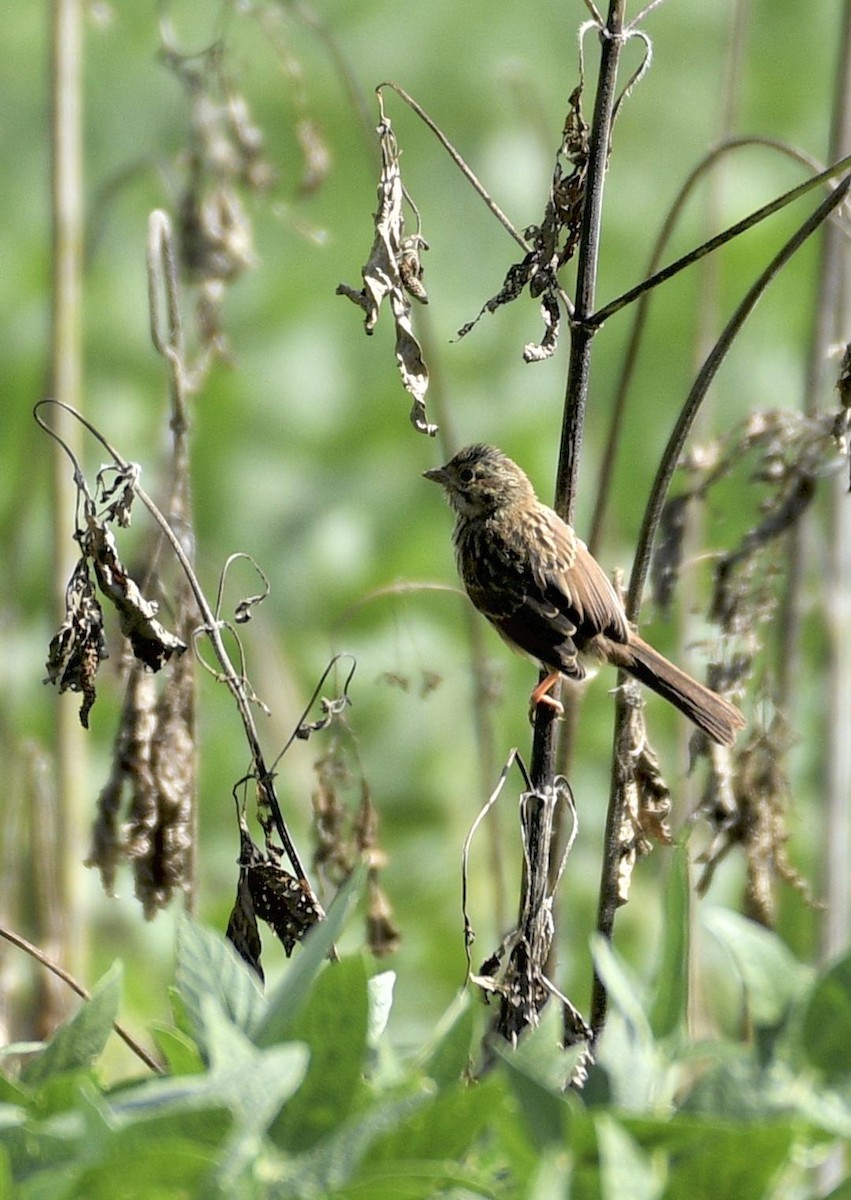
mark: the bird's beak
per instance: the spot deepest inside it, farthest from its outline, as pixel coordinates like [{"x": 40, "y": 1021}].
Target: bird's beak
[{"x": 437, "y": 475}]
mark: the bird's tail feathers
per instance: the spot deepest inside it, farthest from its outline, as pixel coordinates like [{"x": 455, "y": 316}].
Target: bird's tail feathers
[{"x": 717, "y": 717}]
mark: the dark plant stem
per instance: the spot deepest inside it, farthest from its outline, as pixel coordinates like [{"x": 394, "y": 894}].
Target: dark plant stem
[
  {"x": 540, "y": 815},
  {"x": 639, "y": 320},
  {"x": 608, "y": 310},
  {"x": 544, "y": 746}
]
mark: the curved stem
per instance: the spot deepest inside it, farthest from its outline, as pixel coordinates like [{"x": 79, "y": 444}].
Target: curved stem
[
  {"x": 614, "y": 817},
  {"x": 630, "y": 358},
  {"x": 40, "y": 957},
  {"x": 707, "y": 373}
]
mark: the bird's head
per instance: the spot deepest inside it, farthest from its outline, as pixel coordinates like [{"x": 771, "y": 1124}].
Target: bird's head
[{"x": 481, "y": 480}]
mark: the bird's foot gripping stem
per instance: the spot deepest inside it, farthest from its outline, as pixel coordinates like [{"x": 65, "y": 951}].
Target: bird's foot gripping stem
[{"x": 541, "y": 695}]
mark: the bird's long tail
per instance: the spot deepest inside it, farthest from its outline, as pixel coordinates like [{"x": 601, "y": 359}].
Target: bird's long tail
[{"x": 717, "y": 717}]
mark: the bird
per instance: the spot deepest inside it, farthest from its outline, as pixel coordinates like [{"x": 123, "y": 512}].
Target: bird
[{"x": 538, "y": 584}]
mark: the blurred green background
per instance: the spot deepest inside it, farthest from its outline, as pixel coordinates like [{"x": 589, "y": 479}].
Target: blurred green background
[{"x": 302, "y": 451}]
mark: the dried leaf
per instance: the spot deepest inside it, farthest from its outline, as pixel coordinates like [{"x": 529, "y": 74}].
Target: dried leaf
[
  {"x": 382, "y": 932},
  {"x": 647, "y": 798},
  {"x": 267, "y": 892},
  {"x": 123, "y": 488},
  {"x": 533, "y": 352},
  {"x": 554, "y": 241},
  {"x": 162, "y": 861},
  {"x": 152, "y": 644},
  {"x": 242, "y": 929},
  {"x": 78, "y": 648},
  {"x": 131, "y": 768},
  {"x": 392, "y": 268}
]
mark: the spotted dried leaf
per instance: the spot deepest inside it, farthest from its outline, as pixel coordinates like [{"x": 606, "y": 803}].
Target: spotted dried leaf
[
  {"x": 151, "y": 643},
  {"x": 78, "y": 647},
  {"x": 118, "y": 495},
  {"x": 266, "y": 892},
  {"x": 647, "y": 798},
  {"x": 131, "y": 772},
  {"x": 388, "y": 275},
  {"x": 242, "y": 930},
  {"x": 162, "y": 846}
]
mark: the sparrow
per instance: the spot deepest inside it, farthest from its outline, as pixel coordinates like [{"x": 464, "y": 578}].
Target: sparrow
[{"x": 525, "y": 569}]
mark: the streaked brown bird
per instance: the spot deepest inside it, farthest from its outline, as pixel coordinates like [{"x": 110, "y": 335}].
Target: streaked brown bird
[{"x": 526, "y": 570}]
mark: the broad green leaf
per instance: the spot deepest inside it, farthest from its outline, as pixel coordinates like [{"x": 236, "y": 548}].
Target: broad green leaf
[
  {"x": 446, "y": 1055},
  {"x": 335, "y": 1161},
  {"x": 670, "y": 993},
  {"x": 53, "y": 1183},
  {"x": 6, "y": 1182},
  {"x": 78, "y": 1042},
  {"x": 333, "y": 1025},
  {"x": 711, "y": 1159},
  {"x": 290, "y": 994},
  {"x": 626, "y": 1172},
  {"x": 164, "y": 1169},
  {"x": 538, "y": 1070},
  {"x": 178, "y": 1049},
  {"x": 825, "y": 1032},
  {"x": 623, "y": 991},
  {"x": 207, "y": 968},
  {"x": 773, "y": 979},
  {"x": 446, "y": 1127},
  {"x": 413, "y": 1180}
]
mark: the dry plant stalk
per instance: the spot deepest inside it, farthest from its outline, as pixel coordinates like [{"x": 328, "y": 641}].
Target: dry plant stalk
[{"x": 516, "y": 972}]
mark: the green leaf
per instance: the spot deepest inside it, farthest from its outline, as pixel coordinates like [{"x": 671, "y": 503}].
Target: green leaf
[
  {"x": 626, "y": 1173},
  {"x": 78, "y": 1042},
  {"x": 622, "y": 989},
  {"x": 290, "y": 994},
  {"x": 825, "y": 1032},
  {"x": 670, "y": 999},
  {"x": 178, "y": 1049},
  {"x": 445, "y": 1127},
  {"x": 335, "y": 1161},
  {"x": 333, "y": 1025},
  {"x": 446, "y": 1056},
  {"x": 413, "y": 1180},
  {"x": 160, "y": 1169},
  {"x": 538, "y": 1071},
  {"x": 708, "y": 1159},
  {"x": 208, "y": 968},
  {"x": 772, "y": 977}
]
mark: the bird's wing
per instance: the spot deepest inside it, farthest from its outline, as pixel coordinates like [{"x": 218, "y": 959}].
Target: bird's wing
[{"x": 572, "y": 581}]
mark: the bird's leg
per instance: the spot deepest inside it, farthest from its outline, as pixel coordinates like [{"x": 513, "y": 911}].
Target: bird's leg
[{"x": 541, "y": 694}]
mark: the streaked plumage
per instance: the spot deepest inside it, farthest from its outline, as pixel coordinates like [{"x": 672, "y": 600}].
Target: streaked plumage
[{"x": 539, "y": 586}]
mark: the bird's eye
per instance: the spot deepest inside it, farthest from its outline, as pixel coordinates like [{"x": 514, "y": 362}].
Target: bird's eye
[{"x": 466, "y": 476}]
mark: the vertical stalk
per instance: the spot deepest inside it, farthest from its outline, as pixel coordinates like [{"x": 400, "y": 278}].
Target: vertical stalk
[
  {"x": 535, "y": 922},
  {"x": 65, "y": 382},
  {"x": 544, "y": 744}
]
